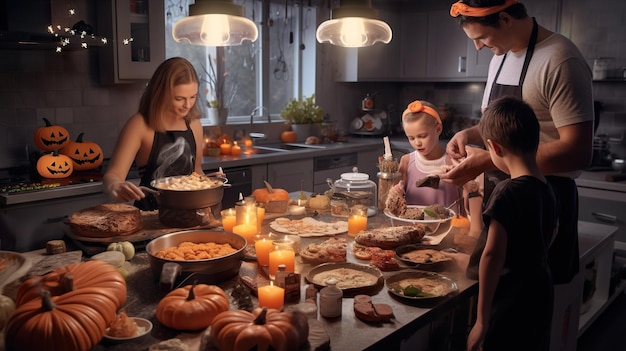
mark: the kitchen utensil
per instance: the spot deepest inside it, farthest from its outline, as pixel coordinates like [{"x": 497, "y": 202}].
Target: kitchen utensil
[
  {"x": 212, "y": 271},
  {"x": 187, "y": 199}
]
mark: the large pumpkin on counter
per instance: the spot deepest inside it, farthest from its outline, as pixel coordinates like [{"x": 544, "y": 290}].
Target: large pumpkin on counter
[
  {"x": 75, "y": 321},
  {"x": 55, "y": 165},
  {"x": 192, "y": 307},
  {"x": 51, "y": 137},
  {"x": 274, "y": 200},
  {"x": 262, "y": 329},
  {"x": 85, "y": 155},
  {"x": 75, "y": 277}
]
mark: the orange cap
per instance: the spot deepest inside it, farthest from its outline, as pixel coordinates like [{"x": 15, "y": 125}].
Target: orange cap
[
  {"x": 459, "y": 8},
  {"x": 417, "y": 106}
]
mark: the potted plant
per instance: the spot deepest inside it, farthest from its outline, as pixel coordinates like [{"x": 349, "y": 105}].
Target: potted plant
[
  {"x": 302, "y": 114},
  {"x": 219, "y": 96}
]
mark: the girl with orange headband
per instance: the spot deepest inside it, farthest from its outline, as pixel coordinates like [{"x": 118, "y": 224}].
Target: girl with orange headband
[{"x": 422, "y": 126}]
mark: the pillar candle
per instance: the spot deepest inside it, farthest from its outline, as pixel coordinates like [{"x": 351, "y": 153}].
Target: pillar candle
[
  {"x": 356, "y": 223},
  {"x": 288, "y": 242},
  {"x": 271, "y": 296},
  {"x": 248, "y": 231},
  {"x": 228, "y": 219},
  {"x": 225, "y": 148},
  {"x": 235, "y": 150},
  {"x": 286, "y": 257},
  {"x": 260, "y": 214},
  {"x": 263, "y": 248}
]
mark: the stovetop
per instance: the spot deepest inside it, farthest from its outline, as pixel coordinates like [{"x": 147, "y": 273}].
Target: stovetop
[{"x": 14, "y": 183}]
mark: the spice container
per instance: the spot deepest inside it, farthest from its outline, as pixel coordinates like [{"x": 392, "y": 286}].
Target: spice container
[
  {"x": 357, "y": 190},
  {"x": 331, "y": 300},
  {"x": 386, "y": 181}
]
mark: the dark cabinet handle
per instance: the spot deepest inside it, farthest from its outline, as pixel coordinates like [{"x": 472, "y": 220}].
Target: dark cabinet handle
[{"x": 604, "y": 217}]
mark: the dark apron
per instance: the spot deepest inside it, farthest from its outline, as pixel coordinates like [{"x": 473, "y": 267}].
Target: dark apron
[{"x": 563, "y": 253}]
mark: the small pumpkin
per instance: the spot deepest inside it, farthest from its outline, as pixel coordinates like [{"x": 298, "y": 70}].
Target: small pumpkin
[
  {"x": 7, "y": 307},
  {"x": 275, "y": 200},
  {"x": 192, "y": 307},
  {"x": 54, "y": 165},
  {"x": 85, "y": 155},
  {"x": 51, "y": 137},
  {"x": 261, "y": 329},
  {"x": 74, "y": 321},
  {"x": 75, "y": 277},
  {"x": 125, "y": 247},
  {"x": 288, "y": 136},
  {"x": 462, "y": 223}
]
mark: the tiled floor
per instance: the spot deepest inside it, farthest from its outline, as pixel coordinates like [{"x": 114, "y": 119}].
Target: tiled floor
[{"x": 608, "y": 332}]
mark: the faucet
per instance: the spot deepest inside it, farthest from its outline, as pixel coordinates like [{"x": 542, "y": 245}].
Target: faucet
[{"x": 258, "y": 136}]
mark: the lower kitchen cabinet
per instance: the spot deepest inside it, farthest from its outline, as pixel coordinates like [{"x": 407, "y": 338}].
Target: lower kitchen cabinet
[
  {"x": 604, "y": 207},
  {"x": 29, "y": 226},
  {"x": 292, "y": 175}
]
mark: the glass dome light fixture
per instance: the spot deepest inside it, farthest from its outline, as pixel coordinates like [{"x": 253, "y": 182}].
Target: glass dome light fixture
[
  {"x": 354, "y": 24},
  {"x": 215, "y": 23}
]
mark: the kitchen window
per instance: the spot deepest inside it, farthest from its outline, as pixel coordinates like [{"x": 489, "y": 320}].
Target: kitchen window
[{"x": 252, "y": 75}]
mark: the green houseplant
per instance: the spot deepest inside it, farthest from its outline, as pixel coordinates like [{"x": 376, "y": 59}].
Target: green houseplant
[{"x": 303, "y": 111}]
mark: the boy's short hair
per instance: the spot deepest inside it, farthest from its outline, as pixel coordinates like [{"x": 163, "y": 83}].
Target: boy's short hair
[{"x": 512, "y": 123}]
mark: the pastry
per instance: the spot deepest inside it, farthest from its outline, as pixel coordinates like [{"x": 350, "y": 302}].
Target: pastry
[
  {"x": 106, "y": 220},
  {"x": 330, "y": 250},
  {"x": 391, "y": 237}
]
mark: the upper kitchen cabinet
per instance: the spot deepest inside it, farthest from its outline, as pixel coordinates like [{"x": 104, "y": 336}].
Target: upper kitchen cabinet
[
  {"x": 378, "y": 62},
  {"x": 451, "y": 55},
  {"x": 413, "y": 39},
  {"x": 137, "y": 31}
]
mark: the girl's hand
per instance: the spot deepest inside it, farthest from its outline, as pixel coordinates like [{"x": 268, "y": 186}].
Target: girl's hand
[{"x": 477, "y": 162}]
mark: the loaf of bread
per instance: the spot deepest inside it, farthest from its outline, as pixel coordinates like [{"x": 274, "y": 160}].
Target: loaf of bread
[
  {"x": 389, "y": 238},
  {"x": 106, "y": 220}
]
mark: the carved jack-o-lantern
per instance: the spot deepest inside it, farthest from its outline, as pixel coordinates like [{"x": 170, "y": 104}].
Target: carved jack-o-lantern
[
  {"x": 51, "y": 137},
  {"x": 55, "y": 165},
  {"x": 84, "y": 154}
]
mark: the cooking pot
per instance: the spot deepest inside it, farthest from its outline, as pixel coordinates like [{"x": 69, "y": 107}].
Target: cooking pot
[
  {"x": 187, "y": 199},
  {"x": 211, "y": 271}
]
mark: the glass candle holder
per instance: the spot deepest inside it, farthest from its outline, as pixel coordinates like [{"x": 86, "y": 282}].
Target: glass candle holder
[
  {"x": 228, "y": 219},
  {"x": 357, "y": 221}
]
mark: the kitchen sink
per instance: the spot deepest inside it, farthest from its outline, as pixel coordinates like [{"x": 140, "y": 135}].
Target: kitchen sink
[{"x": 289, "y": 147}]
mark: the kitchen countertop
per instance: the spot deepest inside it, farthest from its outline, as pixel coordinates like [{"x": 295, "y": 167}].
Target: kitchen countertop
[
  {"x": 224, "y": 161},
  {"x": 346, "y": 332}
]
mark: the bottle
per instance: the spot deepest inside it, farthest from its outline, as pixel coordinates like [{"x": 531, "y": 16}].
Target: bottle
[{"x": 330, "y": 300}]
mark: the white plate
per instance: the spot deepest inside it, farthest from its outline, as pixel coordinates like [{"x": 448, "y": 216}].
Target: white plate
[
  {"x": 422, "y": 221},
  {"x": 144, "y": 327},
  {"x": 308, "y": 227}
]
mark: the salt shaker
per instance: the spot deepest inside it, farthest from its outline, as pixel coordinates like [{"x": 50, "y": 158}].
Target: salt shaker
[{"x": 330, "y": 300}]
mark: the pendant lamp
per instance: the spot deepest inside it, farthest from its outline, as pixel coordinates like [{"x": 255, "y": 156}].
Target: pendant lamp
[
  {"x": 215, "y": 23},
  {"x": 354, "y": 24}
]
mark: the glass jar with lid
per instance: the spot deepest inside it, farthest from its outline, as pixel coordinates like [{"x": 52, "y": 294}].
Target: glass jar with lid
[{"x": 358, "y": 191}]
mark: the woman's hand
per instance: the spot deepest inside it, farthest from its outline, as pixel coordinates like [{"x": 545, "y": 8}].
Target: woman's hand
[
  {"x": 125, "y": 191},
  {"x": 476, "y": 162}
]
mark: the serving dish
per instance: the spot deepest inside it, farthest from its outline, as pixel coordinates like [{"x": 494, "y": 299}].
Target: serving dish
[
  {"x": 431, "y": 285},
  {"x": 10, "y": 264},
  {"x": 318, "y": 275},
  {"x": 430, "y": 257},
  {"x": 144, "y": 327}
]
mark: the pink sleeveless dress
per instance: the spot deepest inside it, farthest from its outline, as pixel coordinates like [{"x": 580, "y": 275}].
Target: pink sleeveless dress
[{"x": 419, "y": 168}]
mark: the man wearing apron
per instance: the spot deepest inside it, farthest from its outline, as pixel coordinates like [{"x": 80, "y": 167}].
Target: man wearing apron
[{"x": 547, "y": 71}]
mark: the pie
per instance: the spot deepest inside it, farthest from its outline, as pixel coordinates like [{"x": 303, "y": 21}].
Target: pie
[
  {"x": 330, "y": 250},
  {"x": 389, "y": 238},
  {"x": 347, "y": 278},
  {"x": 425, "y": 256},
  {"x": 106, "y": 220},
  {"x": 308, "y": 226}
]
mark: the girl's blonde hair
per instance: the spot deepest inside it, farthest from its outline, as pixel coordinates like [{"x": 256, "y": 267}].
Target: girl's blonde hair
[{"x": 157, "y": 98}]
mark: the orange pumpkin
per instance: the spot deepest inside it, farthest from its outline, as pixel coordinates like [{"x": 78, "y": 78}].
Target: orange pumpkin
[
  {"x": 51, "y": 137},
  {"x": 192, "y": 307},
  {"x": 288, "y": 136},
  {"x": 55, "y": 165},
  {"x": 462, "y": 223},
  {"x": 85, "y": 155},
  {"x": 75, "y": 277},
  {"x": 74, "y": 321},
  {"x": 274, "y": 200},
  {"x": 261, "y": 329}
]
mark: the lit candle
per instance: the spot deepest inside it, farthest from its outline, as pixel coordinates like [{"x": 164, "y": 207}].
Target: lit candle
[
  {"x": 271, "y": 296},
  {"x": 263, "y": 248},
  {"x": 248, "y": 231},
  {"x": 289, "y": 242},
  {"x": 235, "y": 150},
  {"x": 260, "y": 214},
  {"x": 356, "y": 223},
  {"x": 296, "y": 210},
  {"x": 228, "y": 219},
  {"x": 225, "y": 148},
  {"x": 286, "y": 257},
  {"x": 387, "y": 155}
]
